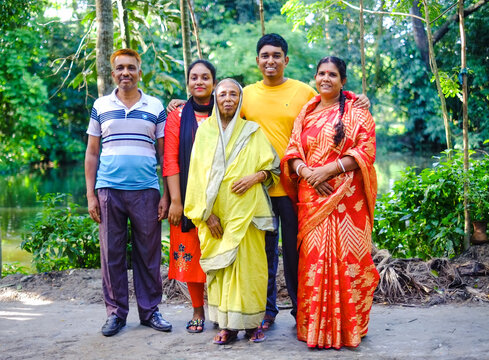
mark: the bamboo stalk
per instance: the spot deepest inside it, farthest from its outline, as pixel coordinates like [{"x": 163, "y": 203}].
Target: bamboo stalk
[
  {"x": 124, "y": 24},
  {"x": 196, "y": 28},
  {"x": 185, "y": 36},
  {"x": 465, "y": 121},
  {"x": 262, "y": 18},
  {"x": 434, "y": 69},
  {"x": 362, "y": 49}
]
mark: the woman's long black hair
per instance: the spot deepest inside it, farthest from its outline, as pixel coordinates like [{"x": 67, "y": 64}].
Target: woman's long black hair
[{"x": 341, "y": 65}]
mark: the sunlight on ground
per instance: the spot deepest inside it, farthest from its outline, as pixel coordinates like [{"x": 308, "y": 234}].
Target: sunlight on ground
[{"x": 25, "y": 298}]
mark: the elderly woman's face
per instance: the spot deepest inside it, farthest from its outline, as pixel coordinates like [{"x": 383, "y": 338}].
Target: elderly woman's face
[{"x": 227, "y": 94}]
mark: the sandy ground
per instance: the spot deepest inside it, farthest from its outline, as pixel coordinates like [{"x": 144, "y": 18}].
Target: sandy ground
[
  {"x": 36, "y": 329},
  {"x": 58, "y": 315}
]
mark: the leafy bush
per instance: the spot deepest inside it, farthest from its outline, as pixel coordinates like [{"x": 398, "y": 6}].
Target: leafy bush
[
  {"x": 61, "y": 238},
  {"x": 13, "y": 268},
  {"x": 423, "y": 214}
]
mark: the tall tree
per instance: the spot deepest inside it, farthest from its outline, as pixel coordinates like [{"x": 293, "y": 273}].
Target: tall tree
[{"x": 105, "y": 45}]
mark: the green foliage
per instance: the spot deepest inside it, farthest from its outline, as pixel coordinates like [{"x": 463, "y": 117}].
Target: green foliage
[
  {"x": 61, "y": 238},
  {"x": 478, "y": 195},
  {"x": 423, "y": 214},
  {"x": 15, "y": 13},
  {"x": 23, "y": 98},
  {"x": 13, "y": 268}
]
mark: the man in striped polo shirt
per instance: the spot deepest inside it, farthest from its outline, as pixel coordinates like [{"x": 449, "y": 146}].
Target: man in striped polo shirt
[{"x": 127, "y": 123}]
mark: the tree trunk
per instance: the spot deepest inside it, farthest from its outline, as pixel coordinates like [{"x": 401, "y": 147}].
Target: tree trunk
[
  {"x": 124, "y": 24},
  {"x": 196, "y": 29},
  {"x": 262, "y": 18},
  {"x": 465, "y": 119},
  {"x": 419, "y": 32},
  {"x": 434, "y": 68},
  {"x": 362, "y": 49},
  {"x": 104, "y": 46},
  {"x": 380, "y": 33},
  {"x": 185, "y": 36}
]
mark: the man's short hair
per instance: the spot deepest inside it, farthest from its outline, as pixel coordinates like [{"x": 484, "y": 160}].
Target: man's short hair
[
  {"x": 274, "y": 40},
  {"x": 129, "y": 52}
]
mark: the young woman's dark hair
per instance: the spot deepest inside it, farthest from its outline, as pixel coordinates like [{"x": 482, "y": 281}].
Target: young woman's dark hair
[
  {"x": 341, "y": 66},
  {"x": 274, "y": 40},
  {"x": 207, "y": 64}
]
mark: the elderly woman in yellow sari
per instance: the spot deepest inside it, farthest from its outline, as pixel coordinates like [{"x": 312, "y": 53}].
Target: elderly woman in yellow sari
[{"x": 231, "y": 166}]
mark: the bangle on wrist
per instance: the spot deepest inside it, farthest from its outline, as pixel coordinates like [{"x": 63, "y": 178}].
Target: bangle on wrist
[
  {"x": 341, "y": 165},
  {"x": 298, "y": 169},
  {"x": 264, "y": 173}
]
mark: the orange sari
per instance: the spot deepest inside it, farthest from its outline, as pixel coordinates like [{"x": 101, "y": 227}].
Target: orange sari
[{"x": 337, "y": 276}]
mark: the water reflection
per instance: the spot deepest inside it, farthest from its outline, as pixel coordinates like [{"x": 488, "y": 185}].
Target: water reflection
[{"x": 18, "y": 196}]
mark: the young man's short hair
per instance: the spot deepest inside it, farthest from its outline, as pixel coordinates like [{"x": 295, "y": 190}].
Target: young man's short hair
[
  {"x": 274, "y": 40},
  {"x": 128, "y": 52}
]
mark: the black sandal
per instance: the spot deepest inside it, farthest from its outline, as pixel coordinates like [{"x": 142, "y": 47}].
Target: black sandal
[{"x": 197, "y": 323}]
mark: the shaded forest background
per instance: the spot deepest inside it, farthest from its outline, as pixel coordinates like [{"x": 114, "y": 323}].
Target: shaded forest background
[{"x": 48, "y": 73}]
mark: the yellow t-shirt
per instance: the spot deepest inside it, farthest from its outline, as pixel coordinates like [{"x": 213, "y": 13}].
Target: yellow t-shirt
[{"x": 275, "y": 108}]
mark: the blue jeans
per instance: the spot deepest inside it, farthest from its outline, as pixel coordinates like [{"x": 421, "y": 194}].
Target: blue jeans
[{"x": 286, "y": 216}]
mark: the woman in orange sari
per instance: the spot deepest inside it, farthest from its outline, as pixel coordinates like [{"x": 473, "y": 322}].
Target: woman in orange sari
[{"x": 328, "y": 170}]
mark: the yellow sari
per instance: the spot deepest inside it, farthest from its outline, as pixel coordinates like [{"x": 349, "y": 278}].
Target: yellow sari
[{"x": 236, "y": 264}]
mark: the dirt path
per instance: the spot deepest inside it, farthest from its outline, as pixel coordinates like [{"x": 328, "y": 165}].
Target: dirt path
[
  {"x": 58, "y": 315},
  {"x": 36, "y": 329}
]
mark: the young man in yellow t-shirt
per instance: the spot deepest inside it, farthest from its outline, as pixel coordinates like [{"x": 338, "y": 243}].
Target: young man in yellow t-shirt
[{"x": 274, "y": 103}]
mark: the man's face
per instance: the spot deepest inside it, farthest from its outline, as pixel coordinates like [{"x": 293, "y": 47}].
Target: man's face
[
  {"x": 126, "y": 72},
  {"x": 227, "y": 95},
  {"x": 272, "y": 62}
]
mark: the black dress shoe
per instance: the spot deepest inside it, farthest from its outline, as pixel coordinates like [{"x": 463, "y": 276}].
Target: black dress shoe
[
  {"x": 157, "y": 322},
  {"x": 113, "y": 325}
]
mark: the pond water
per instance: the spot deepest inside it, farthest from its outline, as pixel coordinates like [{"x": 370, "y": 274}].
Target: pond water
[{"x": 19, "y": 192}]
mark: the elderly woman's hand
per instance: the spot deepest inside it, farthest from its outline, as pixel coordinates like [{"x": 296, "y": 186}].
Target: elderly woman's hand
[
  {"x": 242, "y": 185},
  {"x": 215, "y": 227},
  {"x": 173, "y": 104}
]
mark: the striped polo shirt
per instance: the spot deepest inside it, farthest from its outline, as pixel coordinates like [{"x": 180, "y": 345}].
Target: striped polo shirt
[{"x": 128, "y": 157}]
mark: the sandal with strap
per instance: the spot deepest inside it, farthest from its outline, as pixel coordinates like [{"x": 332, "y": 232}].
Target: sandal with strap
[
  {"x": 229, "y": 337},
  {"x": 267, "y": 322},
  {"x": 196, "y": 323},
  {"x": 255, "y": 335}
]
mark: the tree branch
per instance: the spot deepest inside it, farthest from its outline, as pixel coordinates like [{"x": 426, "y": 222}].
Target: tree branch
[
  {"x": 455, "y": 19},
  {"x": 384, "y": 12}
]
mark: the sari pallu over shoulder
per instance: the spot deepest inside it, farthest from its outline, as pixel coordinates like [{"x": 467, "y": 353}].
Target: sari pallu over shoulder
[{"x": 359, "y": 142}]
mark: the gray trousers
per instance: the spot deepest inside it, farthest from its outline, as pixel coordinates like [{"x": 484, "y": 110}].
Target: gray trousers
[{"x": 141, "y": 207}]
